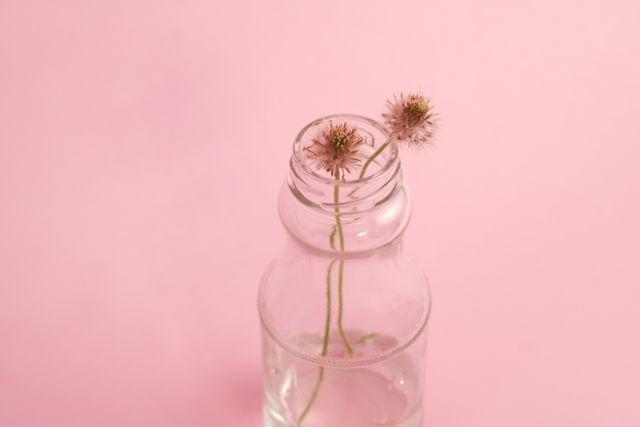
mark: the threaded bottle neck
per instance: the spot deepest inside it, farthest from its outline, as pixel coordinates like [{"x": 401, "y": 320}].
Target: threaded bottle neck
[{"x": 353, "y": 214}]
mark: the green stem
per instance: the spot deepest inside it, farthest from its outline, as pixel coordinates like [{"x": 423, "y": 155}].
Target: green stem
[
  {"x": 314, "y": 395},
  {"x": 325, "y": 346},
  {"x": 372, "y": 158},
  {"x": 327, "y": 323},
  {"x": 336, "y": 199},
  {"x": 337, "y": 229},
  {"x": 332, "y": 237},
  {"x": 340, "y": 306}
]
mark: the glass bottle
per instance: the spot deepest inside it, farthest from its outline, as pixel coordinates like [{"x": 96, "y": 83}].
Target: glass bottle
[{"x": 343, "y": 311}]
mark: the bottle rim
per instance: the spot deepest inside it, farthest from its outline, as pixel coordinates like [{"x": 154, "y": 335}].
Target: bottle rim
[{"x": 298, "y": 159}]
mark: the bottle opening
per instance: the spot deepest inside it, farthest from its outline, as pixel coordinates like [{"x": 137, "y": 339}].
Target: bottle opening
[
  {"x": 361, "y": 181},
  {"x": 345, "y": 206},
  {"x": 347, "y": 148}
]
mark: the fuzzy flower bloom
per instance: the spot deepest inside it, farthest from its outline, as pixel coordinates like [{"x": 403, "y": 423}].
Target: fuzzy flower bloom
[
  {"x": 410, "y": 119},
  {"x": 337, "y": 150}
]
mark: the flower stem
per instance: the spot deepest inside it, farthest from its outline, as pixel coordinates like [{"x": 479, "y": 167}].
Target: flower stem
[
  {"x": 336, "y": 199},
  {"x": 332, "y": 237},
  {"x": 327, "y": 323},
  {"x": 372, "y": 158},
  {"x": 337, "y": 229},
  {"x": 325, "y": 346},
  {"x": 314, "y": 395},
  {"x": 340, "y": 307}
]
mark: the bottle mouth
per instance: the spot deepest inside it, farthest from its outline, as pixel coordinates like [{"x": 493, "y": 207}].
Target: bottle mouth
[
  {"x": 373, "y": 209},
  {"x": 375, "y": 135}
]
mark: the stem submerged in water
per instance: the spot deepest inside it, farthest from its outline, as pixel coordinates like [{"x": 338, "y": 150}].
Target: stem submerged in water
[
  {"x": 336, "y": 200},
  {"x": 337, "y": 229},
  {"x": 340, "y": 309},
  {"x": 325, "y": 346}
]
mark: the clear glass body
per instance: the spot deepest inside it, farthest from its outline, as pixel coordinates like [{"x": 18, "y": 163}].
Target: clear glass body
[{"x": 343, "y": 311}]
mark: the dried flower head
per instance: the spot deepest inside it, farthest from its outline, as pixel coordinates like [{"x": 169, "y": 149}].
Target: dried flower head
[
  {"x": 410, "y": 119},
  {"x": 337, "y": 149}
]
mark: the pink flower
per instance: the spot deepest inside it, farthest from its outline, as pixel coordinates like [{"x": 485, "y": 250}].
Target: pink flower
[
  {"x": 337, "y": 150},
  {"x": 410, "y": 119}
]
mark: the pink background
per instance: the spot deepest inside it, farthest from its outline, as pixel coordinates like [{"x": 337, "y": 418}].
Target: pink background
[{"x": 142, "y": 145}]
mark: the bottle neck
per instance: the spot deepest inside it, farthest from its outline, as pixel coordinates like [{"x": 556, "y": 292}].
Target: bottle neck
[{"x": 348, "y": 216}]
